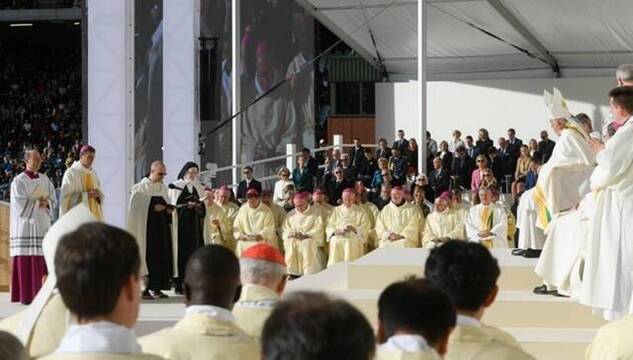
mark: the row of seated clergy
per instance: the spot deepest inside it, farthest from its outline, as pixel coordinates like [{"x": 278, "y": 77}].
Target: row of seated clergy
[{"x": 209, "y": 330}]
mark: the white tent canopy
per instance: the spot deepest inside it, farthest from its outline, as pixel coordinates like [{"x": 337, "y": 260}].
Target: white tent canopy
[{"x": 567, "y": 38}]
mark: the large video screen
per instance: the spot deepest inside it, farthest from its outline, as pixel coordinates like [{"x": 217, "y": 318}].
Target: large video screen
[{"x": 148, "y": 74}]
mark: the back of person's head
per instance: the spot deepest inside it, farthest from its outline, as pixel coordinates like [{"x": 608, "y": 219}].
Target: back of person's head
[
  {"x": 624, "y": 73},
  {"x": 623, "y": 96},
  {"x": 415, "y": 307},
  {"x": 311, "y": 326},
  {"x": 11, "y": 348},
  {"x": 466, "y": 271},
  {"x": 97, "y": 268},
  {"x": 212, "y": 277},
  {"x": 263, "y": 265}
]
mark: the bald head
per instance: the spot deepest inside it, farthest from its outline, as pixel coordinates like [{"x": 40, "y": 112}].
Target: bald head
[
  {"x": 157, "y": 171},
  {"x": 32, "y": 160},
  {"x": 212, "y": 277}
]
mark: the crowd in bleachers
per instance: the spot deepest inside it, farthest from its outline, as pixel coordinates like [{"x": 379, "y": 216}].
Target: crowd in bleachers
[{"x": 40, "y": 106}]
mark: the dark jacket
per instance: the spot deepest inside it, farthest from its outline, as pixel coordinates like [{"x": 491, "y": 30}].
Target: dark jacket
[
  {"x": 383, "y": 153},
  {"x": 483, "y": 146},
  {"x": 303, "y": 180},
  {"x": 462, "y": 169},
  {"x": 546, "y": 148},
  {"x": 440, "y": 181},
  {"x": 335, "y": 189},
  {"x": 242, "y": 188}
]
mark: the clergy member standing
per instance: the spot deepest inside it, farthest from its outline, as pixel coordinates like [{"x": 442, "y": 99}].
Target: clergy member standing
[
  {"x": 223, "y": 200},
  {"x": 487, "y": 223},
  {"x": 347, "y": 230},
  {"x": 607, "y": 279},
  {"x": 32, "y": 200},
  {"x": 208, "y": 330},
  {"x": 263, "y": 276},
  {"x": 303, "y": 234},
  {"x": 188, "y": 219},
  {"x": 254, "y": 223},
  {"x": 398, "y": 224},
  {"x": 442, "y": 225},
  {"x": 81, "y": 185},
  {"x": 149, "y": 220}
]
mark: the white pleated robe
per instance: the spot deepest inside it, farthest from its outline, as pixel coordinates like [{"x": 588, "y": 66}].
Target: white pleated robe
[
  {"x": 350, "y": 246},
  {"x": 76, "y": 183},
  {"x": 446, "y": 224},
  {"x": 530, "y": 235},
  {"x": 302, "y": 255},
  {"x": 499, "y": 228},
  {"x": 405, "y": 220},
  {"x": 257, "y": 221}
]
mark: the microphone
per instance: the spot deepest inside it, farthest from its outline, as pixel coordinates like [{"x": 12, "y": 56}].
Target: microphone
[{"x": 174, "y": 187}]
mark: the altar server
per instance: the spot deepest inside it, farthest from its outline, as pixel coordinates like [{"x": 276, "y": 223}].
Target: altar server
[
  {"x": 81, "y": 185},
  {"x": 32, "y": 200}
]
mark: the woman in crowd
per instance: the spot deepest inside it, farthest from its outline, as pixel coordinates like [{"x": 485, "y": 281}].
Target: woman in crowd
[
  {"x": 377, "y": 180},
  {"x": 445, "y": 155},
  {"x": 484, "y": 142},
  {"x": 284, "y": 180},
  {"x": 411, "y": 154}
]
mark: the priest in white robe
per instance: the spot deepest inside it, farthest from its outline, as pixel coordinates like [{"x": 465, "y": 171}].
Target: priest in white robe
[
  {"x": 32, "y": 200},
  {"x": 487, "y": 223},
  {"x": 399, "y": 222},
  {"x": 303, "y": 235},
  {"x": 149, "y": 220},
  {"x": 347, "y": 230},
  {"x": 608, "y": 276},
  {"x": 80, "y": 184},
  {"x": 218, "y": 229},
  {"x": 254, "y": 223},
  {"x": 442, "y": 225},
  {"x": 563, "y": 180},
  {"x": 223, "y": 200},
  {"x": 278, "y": 213},
  {"x": 319, "y": 202},
  {"x": 41, "y": 326}
]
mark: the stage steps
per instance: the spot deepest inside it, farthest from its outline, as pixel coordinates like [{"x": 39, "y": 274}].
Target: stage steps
[{"x": 548, "y": 327}]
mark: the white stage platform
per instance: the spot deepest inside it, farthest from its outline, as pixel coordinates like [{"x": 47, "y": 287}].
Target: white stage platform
[{"x": 548, "y": 327}]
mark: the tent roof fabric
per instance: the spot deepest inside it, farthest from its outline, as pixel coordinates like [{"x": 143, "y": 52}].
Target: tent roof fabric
[{"x": 538, "y": 37}]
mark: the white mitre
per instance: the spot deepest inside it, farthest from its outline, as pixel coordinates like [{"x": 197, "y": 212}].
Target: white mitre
[
  {"x": 68, "y": 223},
  {"x": 556, "y": 105}
]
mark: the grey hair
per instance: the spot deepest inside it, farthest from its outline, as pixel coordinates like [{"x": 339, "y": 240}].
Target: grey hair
[
  {"x": 261, "y": 272},
  {"x": 11, "y": 347},
  {"x": 624, "y": 72}
]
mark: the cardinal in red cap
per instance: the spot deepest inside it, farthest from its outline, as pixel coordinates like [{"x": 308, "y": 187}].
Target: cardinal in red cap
[{"x": 263, "y": 275}]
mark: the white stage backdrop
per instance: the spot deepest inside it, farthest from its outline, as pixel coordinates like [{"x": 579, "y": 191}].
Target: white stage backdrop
[
  {"x": 492, "y": 104},
  {"x": 180, "y": 83},
  {"x": 111, "y": 100}
]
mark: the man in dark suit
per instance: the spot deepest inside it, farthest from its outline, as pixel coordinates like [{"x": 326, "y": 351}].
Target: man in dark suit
[
  {"x": 514, "y": 144},
  {"x": 357, "y": 154},
  {"x": 302, "y": 178},
  {"x": 509, "y": 163},
  {"x": 439, "y": 179},
  {"x": 367, "y": 168},
  {"x": 311, "y": 163},
  {"x": 335, "y": 186},
  {"x": 401, "y": 143},
  {"x": 398, "y": 167},
  {"x": 471, "y": 150},
  {"x": 546, "y": 146},
  {"x": 496, "y": 164},
  {"x": 349, "y": 172},
  {"x": 248, "y": 183},
  {"x": 462, "y": 168},
  {"x": 383, "y": 151}
]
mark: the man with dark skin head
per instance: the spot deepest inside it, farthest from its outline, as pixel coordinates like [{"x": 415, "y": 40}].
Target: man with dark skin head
[{"x": 208, "y": 329}]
